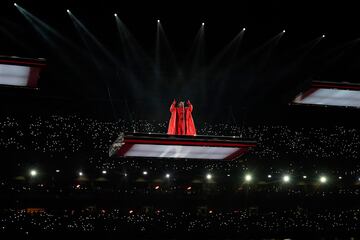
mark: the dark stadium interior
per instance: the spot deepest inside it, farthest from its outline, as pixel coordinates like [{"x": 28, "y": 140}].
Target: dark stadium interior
[{"x": 109, "y": 74}]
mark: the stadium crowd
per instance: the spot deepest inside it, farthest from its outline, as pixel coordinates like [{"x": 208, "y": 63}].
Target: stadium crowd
[{"x": 60, "y": 177}]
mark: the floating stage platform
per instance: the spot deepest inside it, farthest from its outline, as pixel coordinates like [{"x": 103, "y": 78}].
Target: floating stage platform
[
  {"x": 148, "y": 145},
  {"x": 330, "y": 94},
  {"x": 20, "y": 72}
]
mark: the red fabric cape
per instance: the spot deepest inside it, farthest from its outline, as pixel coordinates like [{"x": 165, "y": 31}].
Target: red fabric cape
[{"x": 189, "y": 121}]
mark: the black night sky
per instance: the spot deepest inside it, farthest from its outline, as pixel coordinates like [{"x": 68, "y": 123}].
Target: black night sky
[{"x": 131, "y": 66}]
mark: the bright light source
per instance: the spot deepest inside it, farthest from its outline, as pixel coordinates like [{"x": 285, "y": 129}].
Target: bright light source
[
  {"x": 131, "y": 211},
  {"x": 208, "y": 176},
  {"x": 158, "y": 20},
  {"x": 323, "y": 179},
  {"x": 248, "y": 178},
  {"x": 145, "y": 172},
  {"x": 304, "y": 177},
  {"x": 244, "y": 29},
  {"x": 359, "y": 179},
  {"x": 104, "y": 172},
  {"x": 57, "y": 170},
  {"x": 286, "y": 178},
  {"x": 284, "y": 31},
  {"x": 167, "y": 175},
  {"x": 67, "y": 10},
  {"x": 210, "y": 211},
  {"x": 228, "y": 175},
  {"x": 115, "y": 15},
  {"x": 340, "y": 177},
  {"x": 33, "y": 173},
  {"x": 202, "y": 24},
  {"x": 157, "y": 187},
  {"x": 80, "y": 173},
  {"x": 269, "y": 176},
  {"x": 15, "y": 4},
  {"x": 188, "y": 188},
  {"x": 323, "y": 35},
  {"x": 125, "y": 174}
]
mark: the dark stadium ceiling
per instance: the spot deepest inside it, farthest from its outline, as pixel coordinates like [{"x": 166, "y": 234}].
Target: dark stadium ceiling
[{"x": 91, "y": 55}]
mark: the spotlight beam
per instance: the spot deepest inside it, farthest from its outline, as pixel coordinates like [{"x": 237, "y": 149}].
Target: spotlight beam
[
  {"x": 270, "y": 50},
  {"x": 229, "y": 52},
  {"x": 197, "y": 52},
  {"x": 133, "y": 55},
  {"x": 82, "y": 29},
  {"x": 163, "y": 53},
  {"x": 132, "y": 51},
  {"x": 35, "y": 21},
  {"x": 13, "y": 39},
  {"x": 333, "y": 55},
  {"x": 46, "y": 32}
]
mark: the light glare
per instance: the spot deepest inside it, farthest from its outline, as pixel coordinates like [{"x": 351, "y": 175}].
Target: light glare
[
  {"x": 286, "y": 178},
  {"x": 323, "y": 179},
  {"x": 33, "y": 173},
  {"x": 248, "y": 177}
]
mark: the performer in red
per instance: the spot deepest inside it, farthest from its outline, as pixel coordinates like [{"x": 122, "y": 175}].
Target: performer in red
[{"x": 181, "y": 121}]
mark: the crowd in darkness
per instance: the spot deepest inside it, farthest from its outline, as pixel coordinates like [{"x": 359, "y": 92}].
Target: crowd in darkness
[
  {"x": 162, "y": 221},
  {"x": 125, "y": 199},
  {"x": 280, "y": 147}
]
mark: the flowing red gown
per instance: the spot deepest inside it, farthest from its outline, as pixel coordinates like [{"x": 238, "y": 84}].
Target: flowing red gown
[{"x": 181, "y": 120}]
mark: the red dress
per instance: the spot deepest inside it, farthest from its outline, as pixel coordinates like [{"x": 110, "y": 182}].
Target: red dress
[{"x": 181, "y": 121}]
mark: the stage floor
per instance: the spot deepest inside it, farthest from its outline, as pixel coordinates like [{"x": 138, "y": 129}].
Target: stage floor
[{"x": 148, "y": 145}]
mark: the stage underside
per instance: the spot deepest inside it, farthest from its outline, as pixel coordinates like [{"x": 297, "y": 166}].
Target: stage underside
[
  {"x": 20, "y": 72},
  {"x": 330, "y": 94},
  {"x": 146, "y": 145}
]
